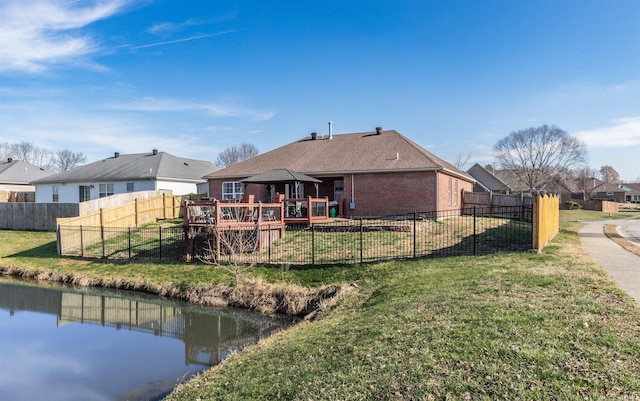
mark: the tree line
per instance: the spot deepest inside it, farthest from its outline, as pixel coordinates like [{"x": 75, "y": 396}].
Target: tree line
[
  {"x": 58, "y": 161},
  {"x": 541, "y": 157}
]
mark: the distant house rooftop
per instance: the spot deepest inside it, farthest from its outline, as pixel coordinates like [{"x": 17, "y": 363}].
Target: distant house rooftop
[
  {"x": 17, "y": 172},
  {"x": 152, "y": 165}
]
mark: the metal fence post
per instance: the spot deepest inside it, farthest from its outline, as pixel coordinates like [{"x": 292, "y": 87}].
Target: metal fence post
[
  {"x": 81, "y": 243},
  {"x": 269, "y": 242},
  {"x": 313, "y": 244},
  {"x": 415, "y": 215},
  {"x": 102, "y": 236},
  {"x": 160, "y": 240},
  {"x": 474, "y": 230},
  {"x": 361, "y": 245},
  {"x": 129, "y": 241}
]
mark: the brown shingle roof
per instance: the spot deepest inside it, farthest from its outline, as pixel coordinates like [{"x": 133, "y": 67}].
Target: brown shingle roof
[{"x": 344, "y": 153}]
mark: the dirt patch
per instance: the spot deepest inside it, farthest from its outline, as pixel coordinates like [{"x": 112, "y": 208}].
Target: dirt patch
[{"x": 255, "y": 295}]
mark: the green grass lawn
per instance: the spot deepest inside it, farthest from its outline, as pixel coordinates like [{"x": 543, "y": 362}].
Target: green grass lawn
[
  {"x": 590, "y": 215},
  {"x": 519, "y": 326}
]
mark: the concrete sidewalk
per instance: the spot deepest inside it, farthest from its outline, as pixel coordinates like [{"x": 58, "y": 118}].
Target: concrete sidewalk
[{"x": 622, "y": 265}]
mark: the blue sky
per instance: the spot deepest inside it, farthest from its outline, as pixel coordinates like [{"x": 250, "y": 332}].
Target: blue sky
[{"x": 194, "y": 77}]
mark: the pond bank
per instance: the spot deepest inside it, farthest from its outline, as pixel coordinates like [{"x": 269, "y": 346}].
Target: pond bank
[{"x": 253, "y": 294}]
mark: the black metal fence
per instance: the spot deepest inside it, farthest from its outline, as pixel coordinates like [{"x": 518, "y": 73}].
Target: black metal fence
[{"x": 471, "y": 231}]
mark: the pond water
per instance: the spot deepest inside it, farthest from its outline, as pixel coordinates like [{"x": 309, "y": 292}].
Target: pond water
[{"x": 59, "y": 343}]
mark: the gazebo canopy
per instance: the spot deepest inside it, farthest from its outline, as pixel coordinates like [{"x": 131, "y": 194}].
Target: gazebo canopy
[{"x": 280, "y": 175}]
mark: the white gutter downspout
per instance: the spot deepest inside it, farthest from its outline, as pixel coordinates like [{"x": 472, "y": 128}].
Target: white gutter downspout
[
  {"x": 437, "y": 190},
  {"x": 353, "y": 193}
]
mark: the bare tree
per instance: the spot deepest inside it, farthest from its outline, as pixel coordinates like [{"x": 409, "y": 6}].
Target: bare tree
[
  {"x": 462, "y": 160},
  {"x": 235, "y": 154},
  {"x": 609, "y": 174},
  {"x": 229, "y": 249},
  {"x": 538, "y": 154},
  {"x": 586, "y": 181},
  {"x": 29, "y": 153},
  {"x": 65, "y": 160},
  {"x": 5, "y": 151}
]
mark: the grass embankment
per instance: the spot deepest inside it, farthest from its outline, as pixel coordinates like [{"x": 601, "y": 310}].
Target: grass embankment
[
  {"x": 507, "y": 326},
  {"x": 298, "y": 292},
  {"x": 519, "y": 326}
]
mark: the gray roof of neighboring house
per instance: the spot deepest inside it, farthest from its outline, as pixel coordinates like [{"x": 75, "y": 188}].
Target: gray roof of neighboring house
[
  {"x": 139, "y": 166},
  {"x": 634, "y": 188},
  {"x": 487, "y": 179},
  {"x": 611, "y": 187},
  {"x": 19, "y": 172},
  {"x": 344, "y": 153},
  {"x": 510, "y": 178}
]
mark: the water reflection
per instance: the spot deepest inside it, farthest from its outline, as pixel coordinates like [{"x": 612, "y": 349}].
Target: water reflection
[{"x": 208, "y": 336}]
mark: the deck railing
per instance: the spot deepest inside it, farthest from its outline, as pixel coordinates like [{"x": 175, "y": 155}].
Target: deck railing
[
  {"x": 231, "y": 214},
  {"x": 237, "y": 214}
]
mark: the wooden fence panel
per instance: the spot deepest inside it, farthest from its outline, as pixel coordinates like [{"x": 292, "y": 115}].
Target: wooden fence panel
[
  {"x": 34, "y": 216},
  {"x": 134, "y": 214},
  {"x": 546, "y": 219}
]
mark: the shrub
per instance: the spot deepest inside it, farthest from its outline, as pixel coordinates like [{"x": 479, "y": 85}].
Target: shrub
[{"x": 572, "y": 205}]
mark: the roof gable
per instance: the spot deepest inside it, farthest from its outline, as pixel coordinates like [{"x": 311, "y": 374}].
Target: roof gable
[
  {"x": 140, "y": 166},
  {"x": 19, "y": 172},
  {"x": 488, "y": 180},
  {"x": 343, "y": 153}
]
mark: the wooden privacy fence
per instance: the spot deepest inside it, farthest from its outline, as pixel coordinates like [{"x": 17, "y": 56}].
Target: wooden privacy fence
[
  {"x": 134, "y": 214},
  {"x": 16, "y": 196},
  {"x": 546, "y": 219},
  {"x": 34, "y": 216}
]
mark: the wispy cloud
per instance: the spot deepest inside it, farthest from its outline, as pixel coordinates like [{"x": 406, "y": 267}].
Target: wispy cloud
[
  {"x": 162, "y": 28},
  {"x": 623, "y": 132},
  {"x": 151, "y": 104},
  {"x": 38, "y": 33}
]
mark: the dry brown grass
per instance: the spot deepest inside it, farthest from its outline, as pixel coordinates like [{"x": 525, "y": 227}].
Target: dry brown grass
[
  {"x": 253, "y": 294},
  {"x": 611, "y": 231}
]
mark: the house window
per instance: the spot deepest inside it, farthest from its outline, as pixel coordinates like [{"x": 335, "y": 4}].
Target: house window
[
  {"x": 106, "y": 190},
  {"x": 449, "y": 192},
  {"x": 129, "y": 186},
  {"x": 232, "y": 190},
  {"x": 455, "y": 193},
  {"x": 338, "y": 190},
  {"x": 85, "y": 193},
  {"x": 54, "y": 191}
]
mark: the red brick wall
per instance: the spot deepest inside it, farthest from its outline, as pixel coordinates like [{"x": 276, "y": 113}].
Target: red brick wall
[
  {"x": 446, "y": 202},
  {"x": 379, "y": 194}
]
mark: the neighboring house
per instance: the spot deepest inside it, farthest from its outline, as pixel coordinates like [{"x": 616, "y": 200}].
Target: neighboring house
[
  {"x": 633, "y": 193},
  {"x": 610, "y": 191},
  {"x": 572, "y": 188},
  {"x": 124, "y": 173},
  {"x": 366, "y": 174},
  {"x": 15, "y": 180},
  {"x": 486, "y": 181}
]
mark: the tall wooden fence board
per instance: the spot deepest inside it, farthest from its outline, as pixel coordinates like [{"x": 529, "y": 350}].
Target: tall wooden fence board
[{"x": 546, "y": 219}]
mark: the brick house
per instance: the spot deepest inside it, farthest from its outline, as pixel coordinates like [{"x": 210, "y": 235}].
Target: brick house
[
  {"x": 362, "y": 174},
  {"x": 611, "y": 191}
]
